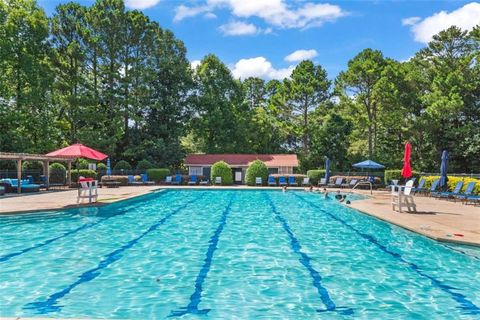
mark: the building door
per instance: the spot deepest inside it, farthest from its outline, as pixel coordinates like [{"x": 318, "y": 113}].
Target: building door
[
  {"x": 206, "y": 172},
  {"x": 237, "y": 175}
]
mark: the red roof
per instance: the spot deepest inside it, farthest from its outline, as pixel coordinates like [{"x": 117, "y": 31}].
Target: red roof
[{"x": 271, "y": 160}]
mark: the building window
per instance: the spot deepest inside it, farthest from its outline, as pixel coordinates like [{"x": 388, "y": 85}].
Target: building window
[
  {"x": 195, "y": 171},
  {"x": 285, "y": 170}
]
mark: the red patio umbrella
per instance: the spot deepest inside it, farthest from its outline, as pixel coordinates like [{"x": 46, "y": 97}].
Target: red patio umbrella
[
  {"x": 407, "y": 169},
  {"x": 78, "y": 150}
]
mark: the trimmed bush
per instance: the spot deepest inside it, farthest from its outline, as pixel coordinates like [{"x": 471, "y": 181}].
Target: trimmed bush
[
  {"x": 122, "y": 165},
  {"x": 122, "y": 179},
  {"x": 223, "y": 170},
  {"x": 157, "y": 175},
  {"x": 256, "y": 169},
  {"x": 452, "y": 181},
  {"x": 101, "y": 166},
  {"x": 82, "y": 164},
  {"x": 58, "y": 173},
  {"x": 32, "y": 165},
  {"x": 315, "y": 175},
  {"x": 84, "y": 173},
  {"x": 144, "y": 165},
  {"x": 396, "y": 174}
]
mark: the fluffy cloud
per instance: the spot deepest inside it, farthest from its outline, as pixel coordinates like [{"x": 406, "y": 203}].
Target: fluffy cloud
[
  {"x": 465, "y": 18},
  {"x": 410, "y": 21},
  {"x": 274, "y": 12},
  {"x": 261, "y": 68},
  {"x": 141, "y": 4},
  {"x": 300, "y": 55},
  {"x": 238, "y": 28}
]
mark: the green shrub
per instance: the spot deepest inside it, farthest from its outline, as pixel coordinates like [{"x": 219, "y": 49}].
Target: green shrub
[
  {"x": 157, "y": 175},
  {"x": 223, "y": 170},
  {"x": 81, "y": 164},
  {"x": 84, "y": 173},
  {"x": 315, "y": 175},
  {"x": 396, "y": 174},
  {"x": 58, "y": 173},
  {"x": 452, "y": 181},
  {"x": 256, "y": 169},
  {"x": 101, "y": 166},
  {"x": 32, "y": 165},
  {"x": 122, "y": 165},
  {"x": 122, "y": 179},
  {"x": 144, "y": 165}
]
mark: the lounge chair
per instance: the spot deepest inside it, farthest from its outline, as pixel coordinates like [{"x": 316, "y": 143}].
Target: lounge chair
[
  {"x": 218, "y": 180},
  {"x": 258, "y": 181},
  {"x": 133, "y": 182},
  {"x": 473, "y": 200},
  {"x": 468, "y": 191},
  {"x": 272, "y": 181},
  {"x": 455, "y": 192},
  {"x": 306, "y": 181},
  {"x": 282, "y": 181},
  {"x": 168, "y": 180},
  {"x": 292, "y": 181},
  {"x": 338, "y": 183},
  {"x": 145, "y": 180},
  {"x": 178, "y": 179},
  {"x": 351, "y": 184},
  {"x": 322, "y": 182},
  {"x": 193, "y": 180},
  {"x": 204, "y": 182},
  {"x": 432, "y": 191},
  {"x": 404, "y": 198},
  {"x": 11, "y": 185},
  {"x": 420, "y": 188}
]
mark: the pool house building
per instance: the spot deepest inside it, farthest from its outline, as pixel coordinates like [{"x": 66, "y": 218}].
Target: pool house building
[{"x": 200, "y": 164}]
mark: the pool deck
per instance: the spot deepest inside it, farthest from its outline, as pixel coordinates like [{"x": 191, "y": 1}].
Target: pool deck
[{"x": 440, "y": 220}]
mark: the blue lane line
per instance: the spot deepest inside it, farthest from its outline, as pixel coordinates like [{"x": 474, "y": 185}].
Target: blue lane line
[
  {"x": 196, "y": 297},
  {"x": 50, "y": 305},
  {"x": 465, "y": 305},
  {"x": 85, "y": 226},
  {"x": 305, "y": 261}
]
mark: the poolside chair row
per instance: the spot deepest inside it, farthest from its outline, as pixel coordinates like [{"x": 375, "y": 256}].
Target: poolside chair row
[
  {"x": 338, "y": 183},
  {"x": 143, "y": 180},
  {"x": 282, "y": 181},
  {"x": 466, "y": 197},
  {"x": 178, "y": 180}
]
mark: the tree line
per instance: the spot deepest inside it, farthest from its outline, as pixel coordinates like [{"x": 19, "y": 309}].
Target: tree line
[{"x": 115, "y": 80}]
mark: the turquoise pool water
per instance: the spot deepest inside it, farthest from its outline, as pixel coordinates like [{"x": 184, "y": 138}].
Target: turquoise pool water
[{"x": 228, "y": 254}]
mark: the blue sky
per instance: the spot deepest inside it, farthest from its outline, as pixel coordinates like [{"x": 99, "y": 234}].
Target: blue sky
[{"x": 267, "y": 38}]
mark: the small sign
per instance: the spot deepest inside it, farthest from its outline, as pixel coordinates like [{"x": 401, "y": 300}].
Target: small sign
[{"x": 92, "y": 166}]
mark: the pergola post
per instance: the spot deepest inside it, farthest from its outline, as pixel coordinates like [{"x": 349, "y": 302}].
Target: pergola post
[
  {"x": 47, "y": 175},
  {"x": 69, "y": 173},
  {"x": 19, "y": 176}
]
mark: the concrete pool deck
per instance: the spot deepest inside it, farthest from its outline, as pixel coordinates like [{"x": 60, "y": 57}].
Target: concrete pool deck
[{"x": 440, "y": 220}]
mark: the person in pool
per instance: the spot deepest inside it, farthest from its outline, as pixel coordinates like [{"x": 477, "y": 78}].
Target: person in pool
[
  {"x": 343, "y": 198},
  {"x": 338, "y": 196}
]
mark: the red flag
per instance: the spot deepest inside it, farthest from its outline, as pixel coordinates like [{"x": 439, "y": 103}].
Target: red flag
[{"x": 407, "y": 169}]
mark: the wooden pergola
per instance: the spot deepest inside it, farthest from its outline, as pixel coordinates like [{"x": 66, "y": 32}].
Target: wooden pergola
[{"x": 19, "y": 157}]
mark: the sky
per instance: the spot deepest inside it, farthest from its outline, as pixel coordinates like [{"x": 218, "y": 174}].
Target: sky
[{"x": 268, "y": 38}]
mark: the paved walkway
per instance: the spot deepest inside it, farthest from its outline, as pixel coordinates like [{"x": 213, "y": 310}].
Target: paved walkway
[{"x": 438, "y": 219}]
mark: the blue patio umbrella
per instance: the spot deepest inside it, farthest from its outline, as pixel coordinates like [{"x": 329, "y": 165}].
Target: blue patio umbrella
[
  {"x": 327, "y": 170},
  {"x": 443, "y": 170},
  {"x": 369, "y": 164},
  {"x": 109, "y": 170}
]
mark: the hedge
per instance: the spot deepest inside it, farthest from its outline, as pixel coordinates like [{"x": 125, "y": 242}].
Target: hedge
[
  {"x": 223, "y": 170},
  {"x": 315, "y": 175},
  {"x": 452, "y": 181},
  {"x": 84, "y": 173},
  {"x": 122, "y": 165},
  {"x": 122, "y": 179},
  {"x": 32, "y": 165},
  {"x": 81, "y": 164},
  {"x": 256, "y": 169},
  {"x": 157, "y": 175},
  {"x": 397, "y": 175},
  {"x": 58, "y": 173},
  {"x": 101, "y": 166},
  {"x": 144, "y": 165}
]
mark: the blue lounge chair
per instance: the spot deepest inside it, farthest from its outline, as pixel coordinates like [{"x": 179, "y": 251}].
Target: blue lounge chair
[
  {"x": 145, "y": 179},
  {"x": 306, "y": 181},
  {"x": 11, "y": 185},
  {"x": 272, "y": 181},
  {"x": 204, "y": 182},
  {"x": 193, "y": 180},
  {"x": 434, "y": 187},
  {"x": 292, "y": 181},
  {"x": 420, "y": 188},
  {"x": 178, "y": 179},
  {"x": 133, "y": 182},
  {"x": 456, "y": 191},
  {"x": 282, "y": 181},
  {"x": 468, "y": 191},
  {"x": 338, "y": 183},
  {"x": 473, "y": 199}
]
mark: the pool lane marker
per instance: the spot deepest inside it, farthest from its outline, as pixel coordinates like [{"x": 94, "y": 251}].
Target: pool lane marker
[
  {"x": 195, "y": 298},
  {"x": 8, "y": 256},
  {"x": 466, "y": 305},
  {"x": 305, "y": 261},
  {"x": 50, "y": 305}
]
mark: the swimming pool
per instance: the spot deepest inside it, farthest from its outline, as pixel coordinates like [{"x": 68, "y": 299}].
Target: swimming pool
[{"x": 228, "y": 254}]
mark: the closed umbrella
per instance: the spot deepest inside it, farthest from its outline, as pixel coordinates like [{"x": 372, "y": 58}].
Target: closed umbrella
[
  {"x": 443, "y": 170},
  {"x": 407, "y": 169},
  {"x": 327, "y": 170},
  {"x": 109, "y": 169}
]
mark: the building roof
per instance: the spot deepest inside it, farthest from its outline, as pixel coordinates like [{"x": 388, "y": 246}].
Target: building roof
[{"x": 271, "y": 160}]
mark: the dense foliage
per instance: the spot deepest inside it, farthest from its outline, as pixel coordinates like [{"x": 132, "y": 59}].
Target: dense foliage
[
  {"x": 118, "y": 82},
  {"x": 315, "y": 175},
  {"x": 223, "y": 170},
  {"x": 256, "y": 169},
  {"x": 58, "y": 173},
  {"x": 76, "y": 174},
  {"x": 157, "y": 175},
  {"x": 144, "y": 165},
  {"x": 122, "y": 165}
]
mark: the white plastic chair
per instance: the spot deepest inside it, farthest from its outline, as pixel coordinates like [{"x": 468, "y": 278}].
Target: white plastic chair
[
  {"x": 403, "y": 198},
  {"x": 258, "y": 181},
  {"x": 218, "y": 180},
  {"x": 306, "y": 181},
  {"x": 88, "y": 190}
]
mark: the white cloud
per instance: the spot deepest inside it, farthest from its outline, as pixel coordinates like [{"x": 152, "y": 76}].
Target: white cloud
[
  {"x": 261, "y": 68},
  {"x": 410, "y": 21},
  {"x": 194, "y": 64},
  {"x": 141, "y": 4},
  {"x": 465, "y": 18},
  {"x": 238, "y": 28},
  {"x": 210, "y": 15},
  {"x": 300, "y": 55},
  {"x": 274, "y": 12}
]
